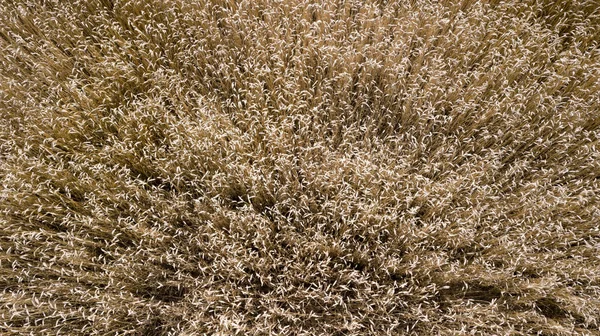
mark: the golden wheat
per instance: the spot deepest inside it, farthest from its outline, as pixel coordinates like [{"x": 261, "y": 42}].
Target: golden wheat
[{"x": 294, "y": 167}]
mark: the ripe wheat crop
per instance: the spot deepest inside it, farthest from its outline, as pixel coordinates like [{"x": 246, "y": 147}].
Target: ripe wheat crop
[{"x": 299, "y": 167}]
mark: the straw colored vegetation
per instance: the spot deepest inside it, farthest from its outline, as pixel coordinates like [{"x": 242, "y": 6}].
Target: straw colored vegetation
[{"x": 291, "y": 167}]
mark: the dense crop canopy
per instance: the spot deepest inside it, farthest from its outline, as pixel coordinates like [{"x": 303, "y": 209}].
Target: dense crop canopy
[{"x": 295, "y": 167}]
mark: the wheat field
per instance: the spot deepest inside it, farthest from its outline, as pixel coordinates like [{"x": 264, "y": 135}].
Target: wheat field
[{"x": 299, "y": 167}]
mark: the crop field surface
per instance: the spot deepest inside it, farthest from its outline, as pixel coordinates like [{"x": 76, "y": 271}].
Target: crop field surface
[{"x": 299, "y": 167}]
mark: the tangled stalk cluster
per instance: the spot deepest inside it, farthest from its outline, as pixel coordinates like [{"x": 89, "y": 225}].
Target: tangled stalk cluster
[{"x": 299, "y": 167}]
